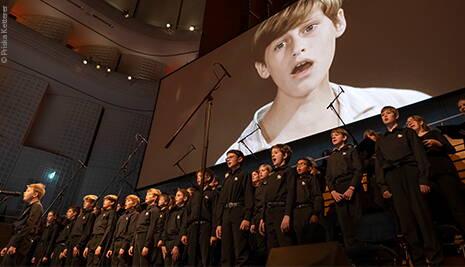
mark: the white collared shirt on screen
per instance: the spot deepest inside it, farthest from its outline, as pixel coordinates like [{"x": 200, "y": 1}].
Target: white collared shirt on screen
[{"x": 354, "y": 104}]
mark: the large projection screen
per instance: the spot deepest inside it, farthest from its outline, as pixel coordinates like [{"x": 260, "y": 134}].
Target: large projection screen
[{"x": 415, "y": 44}]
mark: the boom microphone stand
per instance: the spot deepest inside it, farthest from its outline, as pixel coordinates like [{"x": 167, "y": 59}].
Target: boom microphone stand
[
  {"x": 60, "y": 194},
  {"x": 209, "y": 100},
  {"x": 123, "y": 170},
  {"x": 331, "y": 106}
]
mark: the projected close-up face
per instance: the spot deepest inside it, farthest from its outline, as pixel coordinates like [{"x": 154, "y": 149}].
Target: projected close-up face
[
  {"x": 287, "y": 70},
  {"x": 299, "y": 60}
]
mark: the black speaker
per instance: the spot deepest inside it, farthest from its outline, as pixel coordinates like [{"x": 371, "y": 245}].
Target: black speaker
[{"x": 318, "y": 254}]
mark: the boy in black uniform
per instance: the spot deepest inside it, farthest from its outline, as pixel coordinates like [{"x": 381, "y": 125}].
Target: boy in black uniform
[
  {"x": 25, "y": 228},
  {"x": 343, "y": 177},
  {"x": 309, "y": 202},
  {"x": 234, "y": 212},
  {"x": 163, "y": 205},
  {"x": 46, "y": 241},
  {"x": 80, "y": 233},
  {"x": 279, "y": 200},
  {"x": 124, "y": 231},
  {"x": 258, "y": 241},
  {"x": 172, "y": 247},
  {"x": 403, "y": 174},
  {"x": 102, "y": 232},
  {"x": 142, "y": 244},
  {"x": 198, "y": 232},
  {"x": 56, "y": 258}
]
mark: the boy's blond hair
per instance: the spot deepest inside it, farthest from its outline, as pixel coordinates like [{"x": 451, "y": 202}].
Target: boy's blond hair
[
  {"x": 91, "y": 198},
  {"x": 38, "y": 188},
  {"x": 342, "y": 131},
  {"x": 288, "y": 19},
  {"x": 391, "y": 108},
  {"x": 135, "y": 199},
  {"x": 112, "y": 198},
  {"x": 267, "y": 167},
  {"x": 154, "y": 191}
]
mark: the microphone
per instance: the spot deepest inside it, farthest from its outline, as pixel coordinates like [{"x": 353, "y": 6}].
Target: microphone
[
  {"x": 139, "y": 136},
  {"x": 10, "y": 193},
  {"x": 224, "y": 69},
  {"x": 82, "y": 163}
]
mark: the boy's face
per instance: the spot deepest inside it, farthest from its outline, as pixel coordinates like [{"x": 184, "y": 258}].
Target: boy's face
[
  {"x": 461, "y": 106},
  {"x": 50, "y": 217},
  {"x": 107, "y": 204},
  {"x": 232, "y": 160},
  {"x": 179, "y": 198},
  {"x": 299, "y": 61},
  {"x": 162, "y": 201},
  {"x": 70, "y": 214},
  {"x": 302, "y": 167},
  {"x": 199, "y": 178},
  {"x": 278, "y": 157},
  {"x": 255, "y": 176},
  {"x": 29, "y": 194},
  {"x": 263, "y": 172},
  {"x": 150, "y": 197},
  {"x": 413, "y": 124},
  {"x": 88, "y": 204},
  {"x": 338, "y": 139},
  {"x": 389, "y": 116},
  {"x": 128, "y": 203}
]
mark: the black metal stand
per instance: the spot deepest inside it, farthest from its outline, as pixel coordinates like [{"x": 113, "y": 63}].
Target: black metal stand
[
  {"x": 62, "y": 191},
  {"x": 123, "y": 171},
  {"x": 209, "y": 100},
  {"x": 331, "y": 106},
  {"x": 245, "y": 137}
]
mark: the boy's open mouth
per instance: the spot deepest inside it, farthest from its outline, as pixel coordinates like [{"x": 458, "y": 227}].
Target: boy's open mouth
[{"x": 300, "y": 67}]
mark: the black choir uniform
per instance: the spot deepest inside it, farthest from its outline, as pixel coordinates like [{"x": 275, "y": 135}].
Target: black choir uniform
[
  {"x": 143, "y": 236},
  {"x": 444, "y": 175},
  {"x": 235, "y": 204},
  {"x": 159, "y": 227},
  {"x": 172, "y": 234},
  {"x": 122, "y": 237},
  {"x": 78, "y": 237},
  {"x": 199, "y": 229},
  {"x": 46, "y": 242},
  {"x": 344, "y": 169},
  {"x": 278, "y": 201},
  {"x": 25, "y": 229},
  {"x": 101, "y": 235},
  {"x": 60, "y": 244},
  {"x": 309, "y": 202},
  {"x": 402, "y": 166},
  {"x": 257, "y": 241}
]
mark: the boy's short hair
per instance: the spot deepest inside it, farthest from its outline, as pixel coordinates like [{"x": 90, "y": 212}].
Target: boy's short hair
[
  {"x": 207, "y": 171},
  {"x": 342, "y": 131},
  {"x": 134, "y": 199},
  {"x": 91, "y": 198},
  {"x": 165, "y": 197},
  {"x": 285, "y": 149},
  {"x": 238, "y": 153},
  {"x": 75, "y": 209},
  {"x": 184, "y": 192},
  {"x": 461, "y": 98},
  {"x": 420, "y": 120},
  {"x": 288, "y": 19},
  {"x": 38, "y": 188},
  {"x": 112, "y": 198},
  {"x": 267, "y": 167},
  {"x": 154, "y": 191},
  {"x": 391, "y": 108},
  {"x": 312, "y": 164},
  {"x": 369, "y": 132}
]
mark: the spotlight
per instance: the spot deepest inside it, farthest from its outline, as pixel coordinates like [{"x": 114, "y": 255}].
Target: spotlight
[
  {"x": 168, "y": 25},
  {"x": 108, "y": 69},
  {"x": 98, "y": 66},
  {"x": 84, "y": 61},
  {"x": 125, "y": 14},
  {"x": 192, "y": 28},
  {"x": 129, "y": 77}
]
